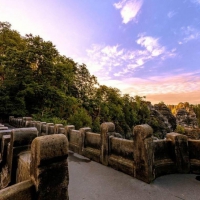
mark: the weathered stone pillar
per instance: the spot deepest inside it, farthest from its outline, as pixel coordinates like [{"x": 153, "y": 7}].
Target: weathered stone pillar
[
  {"x": 43, "y": 129},
  {"x": 180, "y": 144},
  {"x": 106, "y": 127},
  {"x": 25, "y": 120},
  {"x": 10, "y": 119},
  {"x": 143, "y": 153},
  {"x": 35, "y": 123},
  {"x": 39, "y": 127},
  {"x": 20, "y": 122},
  {"x": 47, "y": 127},
  {"x": 20, "y": 141},
  {"x": 83, "y": 131},
  {"x": 56, "y": 127},
  {"x": 51, "y": 130},
  {"x": 49, "y": 167},
  {"x": 28, "y": 123},
  {"x": 4, "y": 144},
  {"x": 2, "y": 133},
  {"x": 17, "y": 123},
  {"x": 68, "y": 128}
]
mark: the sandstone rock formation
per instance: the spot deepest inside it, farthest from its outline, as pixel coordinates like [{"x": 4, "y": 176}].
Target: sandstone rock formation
[
  {"x": 186, "y": 118},
  {"x": 161, "y": 120},
  {"x": 192, "y": 133},
  {"x": 165, "y": 111}
]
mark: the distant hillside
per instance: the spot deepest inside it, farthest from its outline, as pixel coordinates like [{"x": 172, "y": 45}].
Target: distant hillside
[
  {"x": 187, "y": 118},
  {"x": 187, "y": 115},
  {"x": 183, "y": 118}
]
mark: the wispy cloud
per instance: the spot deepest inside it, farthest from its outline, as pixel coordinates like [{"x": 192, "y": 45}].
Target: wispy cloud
[
  {"x": 189, "y": 33},
  {"x": 152, "y": 45},
  {"x": 129, "y": 9},
  {"x": 171, "y": 14},
  {"x": 115, "y": 61}
]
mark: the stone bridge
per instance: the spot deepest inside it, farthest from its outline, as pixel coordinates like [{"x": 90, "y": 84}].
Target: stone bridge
[{"x": 35, "y": 170}]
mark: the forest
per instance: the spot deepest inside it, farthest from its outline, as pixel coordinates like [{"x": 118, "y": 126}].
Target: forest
[{"x": 35, "y": 80}]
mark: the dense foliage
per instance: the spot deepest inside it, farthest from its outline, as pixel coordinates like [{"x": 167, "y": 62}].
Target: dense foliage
[{"x": 35, "y": 80}]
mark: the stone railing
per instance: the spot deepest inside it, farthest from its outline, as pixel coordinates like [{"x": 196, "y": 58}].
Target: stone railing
[
  {"x": 142, "y": 157},
  {"x": 33, "y": 167}
]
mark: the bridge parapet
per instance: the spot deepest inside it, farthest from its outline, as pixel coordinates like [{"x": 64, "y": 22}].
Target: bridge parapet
[
  {"x": 37, "y": 172},
  {"x": 143, "y": 157}
]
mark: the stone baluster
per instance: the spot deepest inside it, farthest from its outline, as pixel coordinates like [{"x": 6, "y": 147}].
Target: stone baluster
[
  {"x": 143, "y": 153},
  {"x": 49, "y": 167}
]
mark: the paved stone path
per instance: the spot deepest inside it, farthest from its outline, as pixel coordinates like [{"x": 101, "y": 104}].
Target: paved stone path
[{"x": 92, "y": 181}]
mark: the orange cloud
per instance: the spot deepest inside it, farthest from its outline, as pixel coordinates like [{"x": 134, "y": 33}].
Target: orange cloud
[
  {"x": 191, "y": 97},
  {"x": 171, "y": 89}
]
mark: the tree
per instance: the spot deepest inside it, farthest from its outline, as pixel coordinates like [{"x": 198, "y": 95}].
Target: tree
[
  {"x": 36, "y": 80},
  {"x": 80, "y": 119},
  {"x": 85, "y": 84},
  {"x": 142, "y": 111}
]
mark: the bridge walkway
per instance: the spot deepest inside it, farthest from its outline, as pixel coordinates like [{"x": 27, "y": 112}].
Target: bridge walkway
[{"x": 92, "y": 181}]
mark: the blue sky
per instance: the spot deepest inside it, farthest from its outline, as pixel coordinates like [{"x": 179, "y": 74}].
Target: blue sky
[{"x": 143, "y": 47}]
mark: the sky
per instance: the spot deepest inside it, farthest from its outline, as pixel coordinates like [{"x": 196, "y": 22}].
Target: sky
[{"x": 142, "y": 47}]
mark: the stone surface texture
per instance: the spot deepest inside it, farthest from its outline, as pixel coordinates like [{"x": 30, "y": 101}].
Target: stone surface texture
[
  {"x": 180, "y": 145},
  {"x": 186, "y": 117},
  {"x": 143, "y": 152},
  {"x": 20, "y": 191},
  {"x": 49, "y": 166}
]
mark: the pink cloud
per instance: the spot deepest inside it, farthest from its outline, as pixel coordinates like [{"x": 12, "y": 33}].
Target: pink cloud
[{"x": 170, "y": 89}]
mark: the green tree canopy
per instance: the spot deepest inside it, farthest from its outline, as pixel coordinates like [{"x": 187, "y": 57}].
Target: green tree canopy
[{"x": 36, "y": 80}]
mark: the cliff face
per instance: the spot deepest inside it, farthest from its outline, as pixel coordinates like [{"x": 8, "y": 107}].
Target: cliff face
[
  {"x": 165, "y": 111},
  {"x": 192, "y": 133},
  {"x": 186, "y": 118},
  {"x": 162, "y": 120},
  {"x": 185, "y": 114}
]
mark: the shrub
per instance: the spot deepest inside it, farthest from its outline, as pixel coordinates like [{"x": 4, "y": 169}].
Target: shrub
[
  {"x": 80, "y": 119},
  {"x": 180, "y": 129}
]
